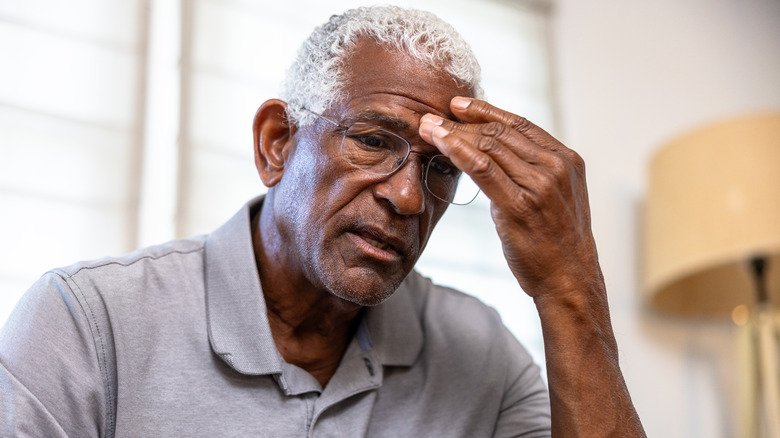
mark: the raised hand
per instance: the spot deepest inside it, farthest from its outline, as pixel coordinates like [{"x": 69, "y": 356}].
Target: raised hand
[{"x": 536, "y": 185}]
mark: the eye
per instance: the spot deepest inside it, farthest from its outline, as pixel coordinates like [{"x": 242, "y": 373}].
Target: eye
[
  {"x": 374, "y": 141},
  {"x": 443, "y": 167},
  {"x": 371, "y": 138}
]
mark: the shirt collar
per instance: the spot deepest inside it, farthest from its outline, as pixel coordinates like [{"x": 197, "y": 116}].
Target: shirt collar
[
  {"x": 237, "y": 319},
  {"x": 238, "y": 326}
]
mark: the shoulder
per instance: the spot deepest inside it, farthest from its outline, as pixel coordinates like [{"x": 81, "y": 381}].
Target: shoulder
[
  {"x": 158, "y": 257},
  {"x": 139, "y": 289},
  {"x": 72, "y": 317},
  {"x": 138, "y": 277},
  {"x": 96, "y": 295},
  {"x": 82, "y": 293}
]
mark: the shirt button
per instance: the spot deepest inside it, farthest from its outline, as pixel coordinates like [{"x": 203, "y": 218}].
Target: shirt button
[{"x": 369, "y": 366}]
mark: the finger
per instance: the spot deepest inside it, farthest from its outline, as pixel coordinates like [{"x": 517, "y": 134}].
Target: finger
[
  {"x": 535, "y": 178},
  {"x": 478, "y": 111},
  {"x": 486, "y": 135},
  {"x": 516, "y": 167},
  {"x": 486, "y": 172}
]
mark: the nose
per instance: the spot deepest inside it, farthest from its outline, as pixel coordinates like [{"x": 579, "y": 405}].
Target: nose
[{"x": 404, "y": 189}]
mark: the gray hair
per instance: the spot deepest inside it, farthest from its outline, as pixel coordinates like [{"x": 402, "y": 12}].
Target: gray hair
[{"x": 315, "y": 79}]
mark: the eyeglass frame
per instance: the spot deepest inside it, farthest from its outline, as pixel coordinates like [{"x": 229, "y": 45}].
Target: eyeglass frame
[{"x": 409, "y": 151}]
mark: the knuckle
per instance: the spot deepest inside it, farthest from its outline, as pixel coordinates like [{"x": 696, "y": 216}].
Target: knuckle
[
  {"x": 482, "y": 165},
  {"x": 577, "y": 159},
  {"x": 489, "y": 110},
  {"x": 526, "y": 202},
  {"x": 520, "y": 124},
  {"x": 546, "y": 184},
  {"x": 493, "y": 129},
  {"x": 486, "y": 144},
  {"x": 558, "y": 165}
]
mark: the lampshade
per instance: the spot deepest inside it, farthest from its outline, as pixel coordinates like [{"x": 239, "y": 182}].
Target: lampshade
[{"x": 713, "y": 202}]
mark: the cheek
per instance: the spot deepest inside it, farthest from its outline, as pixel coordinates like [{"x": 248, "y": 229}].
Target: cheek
[
  {"x": 296, "y": 194},
  {"x": 313, "y": 189},
  {"x": 301, "y": 169},
  {"x": 312, "y": 175}
]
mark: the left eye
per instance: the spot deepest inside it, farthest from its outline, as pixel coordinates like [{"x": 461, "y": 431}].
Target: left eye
[{"x": 443, "y": 166}]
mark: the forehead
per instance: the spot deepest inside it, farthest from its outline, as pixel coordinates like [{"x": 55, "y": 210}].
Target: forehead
[{"x": 388, "y": 81}]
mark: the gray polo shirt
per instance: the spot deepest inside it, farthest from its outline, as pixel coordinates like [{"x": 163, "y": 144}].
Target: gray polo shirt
[{"x": 173, "y": 340}]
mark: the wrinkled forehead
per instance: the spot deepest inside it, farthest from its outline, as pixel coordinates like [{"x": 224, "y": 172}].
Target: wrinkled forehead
[{"x": 372, "y": 71}]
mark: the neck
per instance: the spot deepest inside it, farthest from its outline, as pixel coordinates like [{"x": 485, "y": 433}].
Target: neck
[{"x": 311, "y": 327}]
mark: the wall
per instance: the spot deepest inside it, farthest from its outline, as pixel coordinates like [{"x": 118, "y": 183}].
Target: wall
[
  {"x": 631, "y": 75},
  {"x": 69, "y": 92}
]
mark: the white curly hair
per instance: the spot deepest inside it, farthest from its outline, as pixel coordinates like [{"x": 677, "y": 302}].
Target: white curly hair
[{"x": 315, "y": 79}]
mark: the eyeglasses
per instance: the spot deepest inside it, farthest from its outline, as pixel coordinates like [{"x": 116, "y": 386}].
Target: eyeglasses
[{"x": 378, "y": 151}]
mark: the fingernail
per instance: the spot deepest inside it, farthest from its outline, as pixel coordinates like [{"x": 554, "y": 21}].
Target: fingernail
[
  {"x": 432, "y": 118},
  {"x": 461, "y": 102}
]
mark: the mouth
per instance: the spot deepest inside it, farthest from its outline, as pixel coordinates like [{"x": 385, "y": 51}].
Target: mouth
[{"x": 377, "y": 244}]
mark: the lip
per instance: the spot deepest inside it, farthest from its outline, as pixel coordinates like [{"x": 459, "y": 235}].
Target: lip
[{"x": 377, "y": 244}]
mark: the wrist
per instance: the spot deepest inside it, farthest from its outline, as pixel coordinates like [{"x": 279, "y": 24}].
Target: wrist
[{"x": 578, "y": 314}]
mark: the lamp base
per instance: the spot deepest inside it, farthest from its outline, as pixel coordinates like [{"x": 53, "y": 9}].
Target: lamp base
[
  {"x": 768, "y": 369},
  {"x": 759, "y": 395}
]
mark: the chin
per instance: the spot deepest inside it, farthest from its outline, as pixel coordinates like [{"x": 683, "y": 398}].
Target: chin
[{"x": 365, "y": 288}]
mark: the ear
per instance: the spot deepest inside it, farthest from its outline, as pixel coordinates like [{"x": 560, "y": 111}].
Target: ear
[{"x": 272, "y": 136}]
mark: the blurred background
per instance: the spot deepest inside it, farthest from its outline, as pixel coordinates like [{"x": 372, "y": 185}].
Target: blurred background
[{"x": 127, "y": 123}]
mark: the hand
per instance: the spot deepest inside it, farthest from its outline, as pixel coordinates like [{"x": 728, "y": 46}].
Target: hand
[{"x": 536, "y": 185}]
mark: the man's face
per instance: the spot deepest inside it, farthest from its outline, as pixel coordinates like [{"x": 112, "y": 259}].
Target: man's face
[{"x": 355, "y": 234}]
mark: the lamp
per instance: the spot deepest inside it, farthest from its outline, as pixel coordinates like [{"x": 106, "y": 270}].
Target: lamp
[{"x": 712, "y": 234}]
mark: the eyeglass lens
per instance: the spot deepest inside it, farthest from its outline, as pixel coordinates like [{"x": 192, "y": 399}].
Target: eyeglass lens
[{"x": 382, "y": 152}]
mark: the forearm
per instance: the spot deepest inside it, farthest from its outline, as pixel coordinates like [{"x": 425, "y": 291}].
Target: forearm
[
  {"x": 539, "y": 203},
  {"x": 588, "y": 395}
]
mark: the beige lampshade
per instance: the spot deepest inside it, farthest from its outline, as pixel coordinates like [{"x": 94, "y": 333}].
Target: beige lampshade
[{"x": 713, "y": 202}]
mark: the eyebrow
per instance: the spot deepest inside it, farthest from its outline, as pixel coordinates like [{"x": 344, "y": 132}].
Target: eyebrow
[{"x": 383, "y": 119}]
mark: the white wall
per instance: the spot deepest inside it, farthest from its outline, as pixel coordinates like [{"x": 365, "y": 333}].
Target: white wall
[{"x": 631, "y": 74}]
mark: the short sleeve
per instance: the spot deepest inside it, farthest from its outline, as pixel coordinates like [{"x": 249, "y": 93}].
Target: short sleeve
[{"x": 52, "y": 381}]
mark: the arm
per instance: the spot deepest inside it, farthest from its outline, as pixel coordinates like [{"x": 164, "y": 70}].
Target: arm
[{"x": 539, "y": 204}]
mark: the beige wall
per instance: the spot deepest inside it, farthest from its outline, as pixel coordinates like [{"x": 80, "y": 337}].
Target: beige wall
[{"x": 630, "y": 75}]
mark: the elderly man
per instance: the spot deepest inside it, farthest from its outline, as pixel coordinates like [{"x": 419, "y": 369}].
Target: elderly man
[{"x": 302, "y": 316}]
